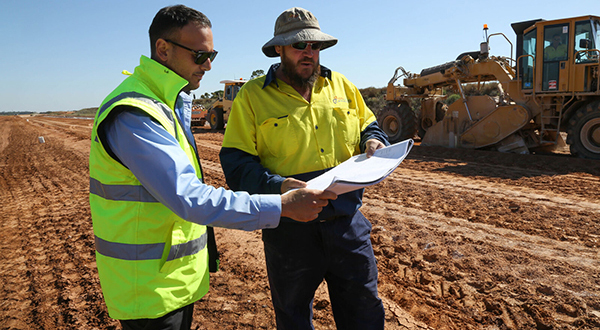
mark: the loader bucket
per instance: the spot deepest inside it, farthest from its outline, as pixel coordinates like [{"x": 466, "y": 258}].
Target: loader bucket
[{"x": 477, "y": 123}]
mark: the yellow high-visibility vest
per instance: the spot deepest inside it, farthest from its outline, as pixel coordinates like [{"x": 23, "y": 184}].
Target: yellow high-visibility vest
[{"x": 150, "y": 261}]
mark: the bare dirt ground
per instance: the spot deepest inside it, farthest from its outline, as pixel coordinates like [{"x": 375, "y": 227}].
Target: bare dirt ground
[{"x": 464, "y": 239}]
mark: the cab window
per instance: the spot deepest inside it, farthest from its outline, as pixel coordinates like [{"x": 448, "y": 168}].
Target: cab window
[
  {"x": 556, "y": 39},
  {"x": 587, "y": 34},
  {"x": 527, "y": 62},
  {"x": 228, "y": 93},
  {"x": 236, "y": 89}
]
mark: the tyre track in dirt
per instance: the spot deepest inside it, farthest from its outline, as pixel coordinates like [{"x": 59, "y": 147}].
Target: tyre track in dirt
[
  {"x": 498, "y": 190},
  {"x": 516, "y": 267},
  {"x": 455, "y": 274},
  {"x": 512, "y": 172},
  {"x": 464, "y": 239},
  {"x": 48, "y": 267},
  {"x": 578, "y": 256},
  {"x": 518, "y": 207},
  {"x": 557, "y": 173}
]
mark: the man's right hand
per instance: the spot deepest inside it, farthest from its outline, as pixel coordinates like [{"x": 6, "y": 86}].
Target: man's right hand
[{"x": 304, "y": 204}]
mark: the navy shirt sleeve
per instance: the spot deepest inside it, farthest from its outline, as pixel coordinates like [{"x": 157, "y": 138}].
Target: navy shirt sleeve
[
  {"x": 373, "y": 131},
  {"x": 244, "y": 172}
]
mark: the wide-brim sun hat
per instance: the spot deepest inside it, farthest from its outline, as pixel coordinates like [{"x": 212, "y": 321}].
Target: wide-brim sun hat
[{"x": 296, "y": 25}]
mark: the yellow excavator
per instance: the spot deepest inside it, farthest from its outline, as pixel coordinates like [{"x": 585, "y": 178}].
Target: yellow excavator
[{"x": 550, "y": 87}]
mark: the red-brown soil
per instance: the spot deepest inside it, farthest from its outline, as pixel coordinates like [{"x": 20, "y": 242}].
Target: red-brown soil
[{"x": 464, "y": 240}]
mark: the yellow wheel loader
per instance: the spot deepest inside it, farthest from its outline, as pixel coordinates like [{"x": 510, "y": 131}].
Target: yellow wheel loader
[
  {"x": 218, "y": 112},
  {"x": 549, "y": 88}
]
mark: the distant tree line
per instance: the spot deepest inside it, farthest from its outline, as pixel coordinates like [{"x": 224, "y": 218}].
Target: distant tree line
[
  {"x": 207, "y": 99},
  {"x": 16, "y": 113}
]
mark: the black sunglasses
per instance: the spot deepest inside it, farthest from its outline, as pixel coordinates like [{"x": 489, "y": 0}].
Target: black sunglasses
[
  {"x": 303, "y": 44},
  {"x": 201, "y": 56}
]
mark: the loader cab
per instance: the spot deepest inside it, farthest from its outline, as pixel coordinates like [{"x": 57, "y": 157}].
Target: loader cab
[
  {"x": 231, "y": 91},
  {"x": 558, "y": 56}
]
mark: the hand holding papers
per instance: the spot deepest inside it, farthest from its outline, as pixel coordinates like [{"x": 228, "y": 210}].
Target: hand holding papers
[{"x": 360, "y": 171}]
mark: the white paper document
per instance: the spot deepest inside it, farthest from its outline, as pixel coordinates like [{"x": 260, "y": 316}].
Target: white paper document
[{"x": 360, "y": 171}]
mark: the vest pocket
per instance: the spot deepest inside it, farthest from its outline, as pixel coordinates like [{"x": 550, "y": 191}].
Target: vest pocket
[
  {"x": 279, "y": 136},
  {"x": 172, "y": 256}
]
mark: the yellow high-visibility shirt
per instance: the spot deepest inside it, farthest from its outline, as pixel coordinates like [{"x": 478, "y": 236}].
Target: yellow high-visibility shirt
[
  {"x": 558, "y": 53},
  {"x": 291, "y": 135}
]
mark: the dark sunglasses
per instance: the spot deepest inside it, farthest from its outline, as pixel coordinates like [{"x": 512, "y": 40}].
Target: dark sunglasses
[
  {"x": 302, "y": 45},
  {"x": 201, "y": 56}
]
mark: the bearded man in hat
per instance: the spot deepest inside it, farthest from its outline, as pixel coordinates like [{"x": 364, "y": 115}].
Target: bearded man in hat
[{"x": 285, "y": 128}]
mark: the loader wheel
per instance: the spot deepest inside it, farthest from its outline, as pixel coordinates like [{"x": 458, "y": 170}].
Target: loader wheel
[
  {"x": 398, "y": 121},
  {"x": 215, "y": 118},
  {"x": 584, "y": 131}
]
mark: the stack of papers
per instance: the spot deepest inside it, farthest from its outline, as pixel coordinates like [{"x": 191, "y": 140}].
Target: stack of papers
[{"x": 359, "y": 171}]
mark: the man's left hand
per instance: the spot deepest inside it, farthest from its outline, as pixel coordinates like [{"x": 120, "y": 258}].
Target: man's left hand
[
  {"x": 291, "y": 183},
  {"x": 372, "y": 145}
]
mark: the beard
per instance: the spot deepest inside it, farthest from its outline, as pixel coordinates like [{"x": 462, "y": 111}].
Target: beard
[{"x": 289, "y": 70}]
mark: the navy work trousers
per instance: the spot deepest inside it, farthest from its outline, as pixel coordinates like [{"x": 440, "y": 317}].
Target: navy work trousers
[
  {"x": 300, "y": 255},
  {"x": 179, "y": 319}
]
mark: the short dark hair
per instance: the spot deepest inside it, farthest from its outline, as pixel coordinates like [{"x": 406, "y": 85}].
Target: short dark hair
[{"x": 170, "y": 20}]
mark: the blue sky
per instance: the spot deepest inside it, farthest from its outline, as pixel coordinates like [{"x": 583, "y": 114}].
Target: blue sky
[{"x": 68, "y": 55}]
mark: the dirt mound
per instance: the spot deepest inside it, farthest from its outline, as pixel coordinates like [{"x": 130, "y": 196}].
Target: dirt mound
[{"x": 464, "y": 240}]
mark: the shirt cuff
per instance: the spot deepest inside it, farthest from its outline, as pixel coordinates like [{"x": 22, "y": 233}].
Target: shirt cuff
[{"x": 270, "y": 211}]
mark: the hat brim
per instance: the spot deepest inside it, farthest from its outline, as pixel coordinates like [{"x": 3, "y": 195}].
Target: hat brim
[{"x": 298, "y": 36}]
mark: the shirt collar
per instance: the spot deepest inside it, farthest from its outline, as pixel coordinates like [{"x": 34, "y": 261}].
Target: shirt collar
[
  {"x": 272, "y": 77},
  {"x": 183, "y": 107}
]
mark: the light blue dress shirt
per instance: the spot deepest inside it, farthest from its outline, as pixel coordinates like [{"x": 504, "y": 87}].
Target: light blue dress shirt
[{"x": 162, "y": 167}]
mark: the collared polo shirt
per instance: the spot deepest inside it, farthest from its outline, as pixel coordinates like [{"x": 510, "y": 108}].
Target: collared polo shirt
[{"x": 291, "y": 135}]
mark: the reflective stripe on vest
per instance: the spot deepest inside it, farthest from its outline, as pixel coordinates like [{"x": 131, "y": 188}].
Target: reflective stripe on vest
[
  {"x": 139, "y": 97},
  {"x": 125, "y": 193},
  {"x": 125, "y": 251}
]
